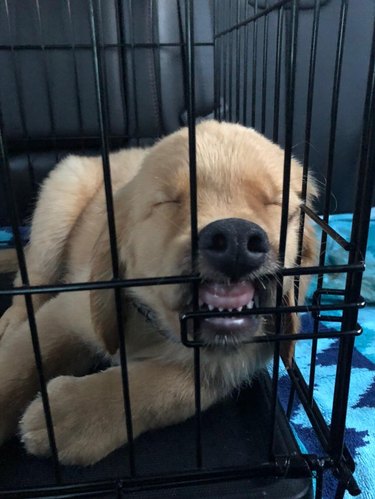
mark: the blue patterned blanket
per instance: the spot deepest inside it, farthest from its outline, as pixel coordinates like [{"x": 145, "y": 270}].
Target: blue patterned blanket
[{"x": 360, "y": 427}]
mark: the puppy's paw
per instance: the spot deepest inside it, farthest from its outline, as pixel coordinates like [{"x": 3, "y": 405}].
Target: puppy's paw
[
  {"x": 12, "y": 319},
  {"x": 83, "y": 432}
]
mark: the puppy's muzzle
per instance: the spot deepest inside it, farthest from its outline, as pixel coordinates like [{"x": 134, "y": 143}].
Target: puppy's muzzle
[{"x": 233, "y": 247}]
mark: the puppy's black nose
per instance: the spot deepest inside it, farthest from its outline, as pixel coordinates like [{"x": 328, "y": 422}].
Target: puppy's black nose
[{"x": 233, "y": 246}]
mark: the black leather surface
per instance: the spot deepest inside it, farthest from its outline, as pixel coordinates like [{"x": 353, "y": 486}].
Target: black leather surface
[
  {"x": 48, "y": 97},
  {"x": 48, "y": 100},
  {"x": 54, "y": 88}
]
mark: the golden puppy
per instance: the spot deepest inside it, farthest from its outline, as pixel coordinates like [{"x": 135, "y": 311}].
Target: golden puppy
[{"x": 239, "y": 175}]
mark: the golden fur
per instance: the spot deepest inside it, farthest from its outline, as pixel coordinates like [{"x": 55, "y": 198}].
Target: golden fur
[{"x": 239, "y": 175}]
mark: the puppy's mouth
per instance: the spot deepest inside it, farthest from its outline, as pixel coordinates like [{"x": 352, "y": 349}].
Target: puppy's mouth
[{"x": 235, "y": 297}]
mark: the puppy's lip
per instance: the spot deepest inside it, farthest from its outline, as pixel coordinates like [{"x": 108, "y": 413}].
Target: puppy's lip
[
  {"x": 227, "y": 296},
  {"x": 228, "y": 331}
]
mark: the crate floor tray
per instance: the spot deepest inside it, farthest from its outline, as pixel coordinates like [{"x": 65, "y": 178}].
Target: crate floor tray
[{"x": 235, "y": 435}]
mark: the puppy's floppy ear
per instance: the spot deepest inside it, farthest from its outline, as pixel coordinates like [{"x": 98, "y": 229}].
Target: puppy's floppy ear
[{"x": 102, "y": 301}]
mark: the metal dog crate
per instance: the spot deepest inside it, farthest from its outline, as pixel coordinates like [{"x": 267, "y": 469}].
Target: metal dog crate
[{"x": 92, "y": 75}]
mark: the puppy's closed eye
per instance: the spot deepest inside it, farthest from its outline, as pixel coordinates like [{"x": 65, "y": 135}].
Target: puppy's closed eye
[
  {"x": 166, "y": 202},
  {"x": 292, "y": 212}
]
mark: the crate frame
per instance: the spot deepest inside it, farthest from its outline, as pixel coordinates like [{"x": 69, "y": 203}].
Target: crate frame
[{"x": 227, "y": 107}]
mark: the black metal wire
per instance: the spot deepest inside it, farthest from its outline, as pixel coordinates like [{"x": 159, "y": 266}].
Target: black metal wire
[
  {"x": 246, "y": 67},
  {"x": 217, "y": 63},
  {"x": 344, "y": 468},
  {"x": 76, "y": 77},
  {"x": 333, "y": 130},
  {"x": 235, "y": 29},
  {"x": 359, "y": 235},
  {"x": 289, "y": 117},
  {"x": 238, "y": 66},
  {"x": 304, "y": 465},
  {"x": 264, "y": 73},
  {"x": 160, "y": 281},
  {"x": 306, "y": 152},
  {"x": 254, "y": 65},
  {"x": 133, "y": 69},
  {"x": 20, "y": 99},
  {"x": 253, "y": 18},
  {"x": 88, "y": 47},
  {"x": 47, "y": 79},
  {"x": 154, "y": 31},
  {"x": 276, "y": 98},
  {"x": 230, "y": 70},
  {"x": 123, "y": 63},
  {"x": 190, "y": 71},
  {"x": 319, "y": 484},
  {"x": 14, "y": 219},
  {"x": 103, "y": 125}
]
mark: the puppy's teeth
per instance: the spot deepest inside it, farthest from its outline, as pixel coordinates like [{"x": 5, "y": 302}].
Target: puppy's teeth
[
  {"x": 256, "y": 301},
  {"x": 230, "y": 309},
  {"x": 220, "y": 309},
  {"x": 239, "y": 309},
  {"x": 210, "y": 307},
  {"x": 250, "y": 304}
]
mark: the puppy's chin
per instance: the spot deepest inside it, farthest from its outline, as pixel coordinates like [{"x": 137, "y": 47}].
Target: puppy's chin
[{"x": 229, "y": 332}]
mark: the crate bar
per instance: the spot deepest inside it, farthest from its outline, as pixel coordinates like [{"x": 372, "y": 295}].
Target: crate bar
[
  {"x": 319, "y": 482},
  {"x": 20, "y": 99},
  {"x": 345, "y": 466},
  {"x": 264, "y": 12},
  {"x": 217, "y": 64},
  {"x": 133, "y": 65},
  {"x": 238, "y": 65},
  {"x": 264, "y": 72},
  {"x": 103, "y": 61},
  {"x": 225, "y": 45},
  {"x": 223, "y": 42},
  {"x": 359, "y": 235},
  {"x": 306, "y": 161},
  {"x": 103, "y": 124},
  {"x": 314, "y": 347},
  {"x": 230, "y": 52},
  {"x": 105, "y": 46},
  {"x": 47, "y": 79},
  {"x": 154, "y": 29},
  {"x": 333, "y": 129},
  {"x": 76, "y": 78},
  {"x": 123, "y": 65},
  {"x": 291, "y": 400},
  {"x": 245, "y": 64},
  {"x": 276, "y": 339},
  {"x": 159, "y": 281},
  {"x": 225, "y": 72},
  {"x": 14, "y": 219},
  {"x": 298, "y": 467},
  {"x": 203, "y": 314},
  {"x": 289, "y": 118},
  {"x": 190, "y": 73},
  {"x": 314, "y": 351},
  {"x": 276, "y": 97},
  {"x": 306, "y": 152},
  {"x": 346, "y": 245},
  {"x": 316, "y": 418},
  {"x": 254, "y": 68},
  {"x": 230, "y": 72}
]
